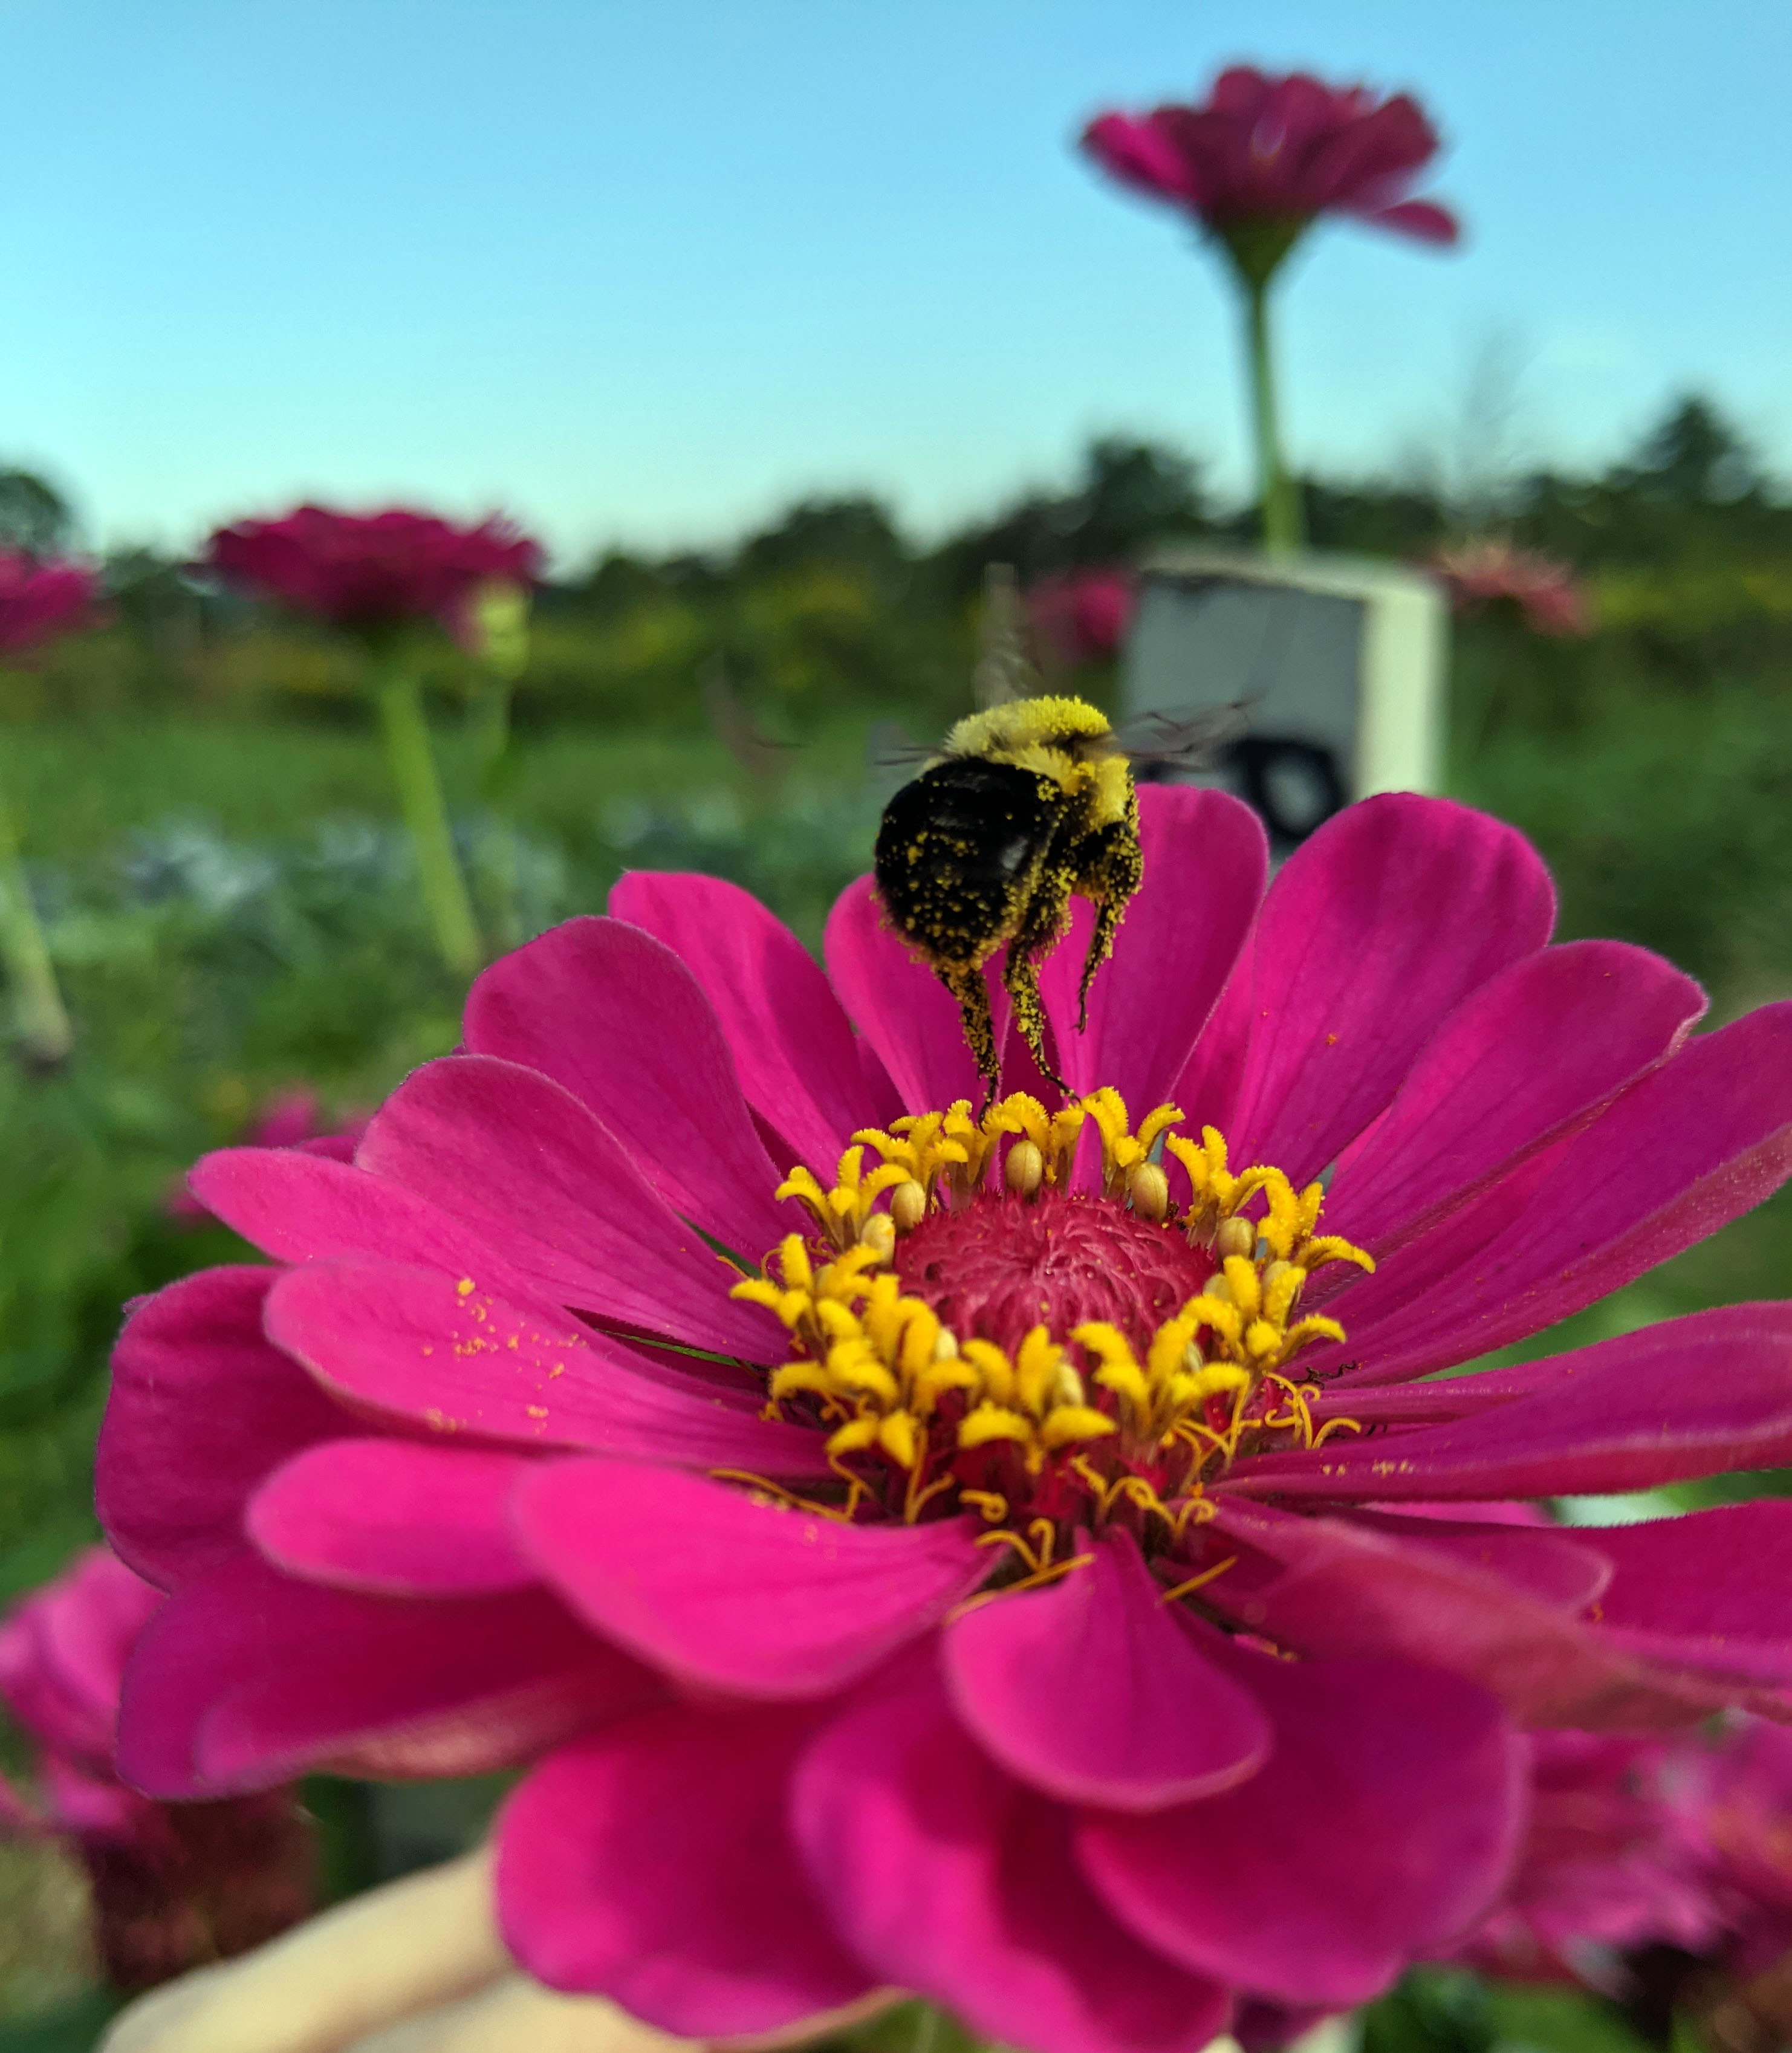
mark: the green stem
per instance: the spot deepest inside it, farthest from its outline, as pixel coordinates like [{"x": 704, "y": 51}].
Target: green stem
[
  {"x": 43, "y": 1019},
  {"x": 1278, "y": 497},
  {"x": 490, "y": 722},
  {"x": 439, "y": 874}
]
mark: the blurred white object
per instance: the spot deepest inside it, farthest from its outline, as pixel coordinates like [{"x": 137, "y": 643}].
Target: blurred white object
[
  {"x": 1338, "y": 662},
  {"x": 1333, "y": 2034}
]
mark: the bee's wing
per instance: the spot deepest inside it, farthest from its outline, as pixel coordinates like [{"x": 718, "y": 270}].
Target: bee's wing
[
  {"x": 1004, "y": 670},
  {"x": 1187, "y": 741},
  {"x": 888, "y": 746},
  {"x": 732, "y": 722}
]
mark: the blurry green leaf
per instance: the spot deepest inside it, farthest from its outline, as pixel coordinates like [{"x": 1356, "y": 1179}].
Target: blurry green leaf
[
  {"x": 73, "y": 2028},
  {"x": 1558, "y": 2020}
]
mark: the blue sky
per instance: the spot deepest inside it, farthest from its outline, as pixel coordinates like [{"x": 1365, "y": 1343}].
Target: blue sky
[{"x": 643, "y": 270}]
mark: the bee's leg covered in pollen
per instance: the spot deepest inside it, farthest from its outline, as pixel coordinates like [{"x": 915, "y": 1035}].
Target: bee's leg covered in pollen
[
  {"x": 1042, "y": 925},
  {"x": 1111, "y": 875},
  {"x": 965, "y": 981}
]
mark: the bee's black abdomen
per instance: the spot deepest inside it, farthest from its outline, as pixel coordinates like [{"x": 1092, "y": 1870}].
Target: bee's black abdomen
[{"x": 953, "y": 849}]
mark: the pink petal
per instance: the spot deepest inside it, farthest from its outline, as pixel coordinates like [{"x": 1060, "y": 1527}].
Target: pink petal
[
  {"x": 1567, "y": 1571},
  {"x": 793, "y": 1045},
  {"x": 526, "y": 1166},
  {"x": 1695, "y": 1142},
  {"x": 1421, "y": 218},
  {"x": 615, "y": 1017},
  {"x": 896, "y": 1002},
  {"x": 1137, "y": 154},
  {"x": 411, "y": 1345},
  {"x": 1716, "y": 1577},
  {"x": 246, "y": 1677},
  {"x": 299, "y": 1208},
  {"x": 1689, "y": 1397},
  {"x": 63, "y": 1649},
  {"x": 393, "y": 1519},
  {"x": 1378, "y": 926},
  {"x": 1205, "y": 860},
  {"x": 1388, "y": 1819},
  {"x": 1345, "y": 1591},
  {"x": 735, "y": 1594},
  {"x": 949, "y": 1880},
  {"x": 1537, "y": 1050},
  {"x": 651, "y": 1863},
  {"x": 202, "y": 1407},
  {"x": 1090, "y": 1690},
  {"x": 1207, "y": 1089}
]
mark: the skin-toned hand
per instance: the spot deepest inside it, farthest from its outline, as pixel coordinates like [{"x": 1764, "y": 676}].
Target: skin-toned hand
[{"x": 416, "y": 1967}]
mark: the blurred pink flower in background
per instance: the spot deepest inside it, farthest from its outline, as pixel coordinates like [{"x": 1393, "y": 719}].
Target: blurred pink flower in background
[
  {"x": 40, "y": 600},
  {"x": 1657, "y": 1870},
  {"x": 373, "y": 572},
  {"x": 294, "y": 1118},
  {"x": 174, "y": 1885},
  {"x": 1617, "y": 1856},
  {"x": 1748, "y": 1822},
  {"x": 1490, "y": 570},
  {"x": 1270, "y": 154},
  {"x": 956, "y": 1673},
  {"x": 1081, "y": 616}
]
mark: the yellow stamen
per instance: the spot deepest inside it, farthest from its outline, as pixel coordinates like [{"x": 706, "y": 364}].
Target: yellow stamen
[{"x": 1140, "y": 1427}]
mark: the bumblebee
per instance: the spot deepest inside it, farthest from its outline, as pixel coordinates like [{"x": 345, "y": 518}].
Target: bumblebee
[{"x": 1027, "y": 804}]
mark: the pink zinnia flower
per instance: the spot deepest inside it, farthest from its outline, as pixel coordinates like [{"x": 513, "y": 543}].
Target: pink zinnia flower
[
  {"x": 1652, "y": 1860},
  {"x": 1490, "y": 570},
  {"x": 1083, "y": 616},
  {"x": 293, "y": 1118},
  {"x": 370, "y": 573},
  {"x": 1748, "y": 1823},
  {"x": 1615, "y": 1857},
  {"x": 1263, "y": 156},
  {"x": 1049, "y": 1580},
  {"x": 39, "y": 601},
  {"x": 174, "y": 1884}
]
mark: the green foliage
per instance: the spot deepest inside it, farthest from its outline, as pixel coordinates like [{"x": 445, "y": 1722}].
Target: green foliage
[
  {"x": 35, "y": 519},
  {"x": 71, "y": 2027},
  {"x": 1447, "y": 2010}
]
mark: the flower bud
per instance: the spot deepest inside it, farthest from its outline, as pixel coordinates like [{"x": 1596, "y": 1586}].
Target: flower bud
[
  {"x": 908, "y": 1207},
  {"x": 880, "y": 1232},
  {"x": 1024, "y": 1170},
  {"x": 1237, "y": 1236},
  {"x": 1148, "y": 1189}
]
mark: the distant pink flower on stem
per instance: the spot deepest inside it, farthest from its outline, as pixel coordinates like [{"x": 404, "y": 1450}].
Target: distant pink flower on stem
[
  {"x": 1036, "y": 1566},
  {"x": 373, "y": 572},
  {"x": 1490, "y": 571},
  {"x": 39, "y": 601},
  {"x": 1263, "y": 156},
  {"x": 174, "y": 1884},
  {"x": 1083, "y": 616}
]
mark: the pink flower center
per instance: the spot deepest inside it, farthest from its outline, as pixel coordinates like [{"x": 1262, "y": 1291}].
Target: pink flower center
[
  {"x": 998, "y": 1267},
  {"x": 992, "y": 1318}
]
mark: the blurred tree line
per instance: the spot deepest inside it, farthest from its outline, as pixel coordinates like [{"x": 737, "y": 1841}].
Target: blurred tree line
[
  {"x": 1686, "y": 543},
  {"x": 1652, "y": 759}
]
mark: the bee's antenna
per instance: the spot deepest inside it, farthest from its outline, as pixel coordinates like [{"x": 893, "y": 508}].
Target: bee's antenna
[{"x": 1003, "y": 670}]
